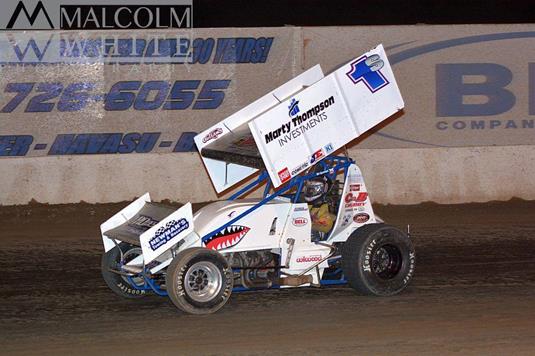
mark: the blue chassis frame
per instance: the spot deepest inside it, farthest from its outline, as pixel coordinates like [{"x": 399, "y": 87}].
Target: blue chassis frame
[{"x": 330, "y": 170}]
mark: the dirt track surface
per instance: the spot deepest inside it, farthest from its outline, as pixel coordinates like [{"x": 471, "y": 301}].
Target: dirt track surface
[{"x": 473, "y": 293}]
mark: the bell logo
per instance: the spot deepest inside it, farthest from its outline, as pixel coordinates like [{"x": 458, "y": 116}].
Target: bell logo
[
  {"x": 39, "y": 8},
  {"x": 300, "y": 221}
]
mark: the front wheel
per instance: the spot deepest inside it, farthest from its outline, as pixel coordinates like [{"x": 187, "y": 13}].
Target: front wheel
[
  {"x": 378, "y": 259},
  {"x": 199, "y": 281}
]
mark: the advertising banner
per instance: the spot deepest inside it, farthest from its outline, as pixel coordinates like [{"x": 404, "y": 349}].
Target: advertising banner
[
  {"x": 82, "y": 112},
  {"x": 463, "y": 85},
  {"x": 107, "y": 92}
]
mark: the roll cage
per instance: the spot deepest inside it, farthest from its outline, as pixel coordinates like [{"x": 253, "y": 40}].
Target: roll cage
[{"x": 330, "y": 168}]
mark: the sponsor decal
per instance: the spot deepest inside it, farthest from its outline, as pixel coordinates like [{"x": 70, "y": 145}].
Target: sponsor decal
[
  {"x": 293, "y": 107},
  {"x": 301, "y": 208},
  {"x": 352, "y": 200},
  {"x": 354, "y": 187},
  {"x": 307, "y": 259},
  {"x": 284, "y": 175},
  {"x": 361, "y": 218},
  {"x": 299, "y": 124},
  {"x": 164, "y": 234},
  {"x": 346, "y": 219},
  {"x": 228, "y": 237},
  {"x": 354, "y": 205},
  {"x": 367, "y": 70},
  {"x": 316, "y": 156},
  {"x": 300, "y": 221},
  {"x": 212, "y": 135},
  {"x": 299, "y": 168},
  {"x": 328, "y": 148},
  {"x": 142, "y": 222},
  {"x": 360, "y": 197}
]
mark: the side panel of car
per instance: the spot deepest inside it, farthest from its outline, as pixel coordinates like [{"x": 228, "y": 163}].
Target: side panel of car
[
  {"x": 355, "y": 207},
  {"x": 298, "y": 251},
  {"x": 259, "y": 230}
]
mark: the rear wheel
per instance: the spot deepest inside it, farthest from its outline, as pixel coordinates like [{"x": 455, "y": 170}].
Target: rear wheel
[
  {"x": 111, "y": 261},
  {"x": 199, "y": 281},
  {"x": 378, "y": 259}
]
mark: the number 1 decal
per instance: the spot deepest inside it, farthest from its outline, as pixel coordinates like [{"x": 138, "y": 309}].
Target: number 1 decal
[{"x": 367, "y": 70}]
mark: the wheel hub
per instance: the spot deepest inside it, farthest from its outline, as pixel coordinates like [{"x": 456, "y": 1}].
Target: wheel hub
[
  {"x": 386, "y": 261},
  {"x": 203, "y": 281}
]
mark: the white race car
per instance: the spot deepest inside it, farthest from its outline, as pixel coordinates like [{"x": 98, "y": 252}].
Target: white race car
[{"x": 284, "y": 140}]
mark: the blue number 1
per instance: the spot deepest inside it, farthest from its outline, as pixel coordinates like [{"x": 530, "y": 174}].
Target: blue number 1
[{"x": 369, "y": 74}]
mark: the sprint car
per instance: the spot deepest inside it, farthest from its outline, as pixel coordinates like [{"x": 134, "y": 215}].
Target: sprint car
[{"x": 249, "y": 241}]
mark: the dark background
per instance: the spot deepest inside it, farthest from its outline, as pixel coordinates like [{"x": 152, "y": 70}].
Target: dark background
[{"x": 265, "y": 13}]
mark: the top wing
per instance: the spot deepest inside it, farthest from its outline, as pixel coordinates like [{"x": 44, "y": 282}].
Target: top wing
[
  {"x": 313, "y": 123},
  {"x": 237, "y": 147},
  {"x": 227, "y": 161},
  {"x": 296, "y": 125}
]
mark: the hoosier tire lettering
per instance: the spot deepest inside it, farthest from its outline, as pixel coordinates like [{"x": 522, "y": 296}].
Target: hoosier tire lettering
[
  {"x": 129, "y": 290},
  {"x": 367, "y": 265}
]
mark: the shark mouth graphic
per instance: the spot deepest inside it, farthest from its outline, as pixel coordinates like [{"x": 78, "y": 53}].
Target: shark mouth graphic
[{"x": 231, "y": 236}]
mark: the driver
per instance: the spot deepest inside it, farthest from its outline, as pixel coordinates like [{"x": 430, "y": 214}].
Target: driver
[{"x": 316, "y": 190}]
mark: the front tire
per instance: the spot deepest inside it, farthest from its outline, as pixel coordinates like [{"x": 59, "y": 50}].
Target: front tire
[
  {"x": 199, "y": 281},
  {"x": 378, "y": 259}
]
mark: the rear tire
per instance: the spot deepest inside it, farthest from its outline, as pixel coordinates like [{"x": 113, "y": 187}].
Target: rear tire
[
  {"x": 378, "y": 259},
  {"x": 199, "y": 281},
  {"x": 116, "y": 282}
]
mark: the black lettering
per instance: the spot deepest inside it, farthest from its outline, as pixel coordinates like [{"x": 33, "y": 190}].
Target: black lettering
[
  {"x": 269, "y": 137},
  {"x": 31, "y": 18}
]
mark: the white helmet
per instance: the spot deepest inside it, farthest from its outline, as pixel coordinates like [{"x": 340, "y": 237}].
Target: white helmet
[{"x": 315, "y": 189}]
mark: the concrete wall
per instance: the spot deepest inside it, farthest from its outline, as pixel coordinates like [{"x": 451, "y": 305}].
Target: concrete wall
[
  {"x": 467, "y": 133},
  {"x": 408, "y": 176}
]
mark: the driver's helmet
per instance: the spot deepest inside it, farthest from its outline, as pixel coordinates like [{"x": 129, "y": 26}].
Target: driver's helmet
[{"x": 315, "y": 189}]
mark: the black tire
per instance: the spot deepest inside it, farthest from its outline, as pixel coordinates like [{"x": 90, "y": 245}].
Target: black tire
[
  {"x": 378, "y": 259},
  {"x": 118, "y": 283},
  {"x": 199, "y": 281}
]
